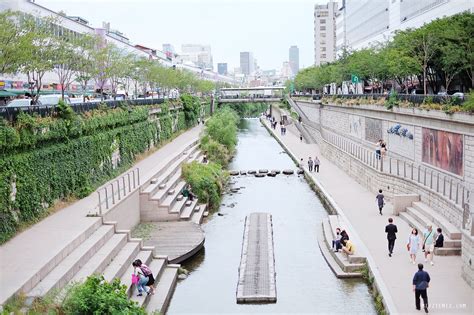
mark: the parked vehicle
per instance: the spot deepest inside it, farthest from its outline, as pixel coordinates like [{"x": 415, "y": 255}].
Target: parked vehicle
[
  {"x": 459, "y": 95},
  {"x": 53, "y": 99},
  {"x": 442, "y": 93},
  {"x": 21, "y": 102}
]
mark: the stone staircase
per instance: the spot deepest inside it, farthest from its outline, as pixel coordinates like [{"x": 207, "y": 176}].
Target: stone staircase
[
  {"x": 109, "y": 252},
  {"x": 419, "y": 216},
  {"x": 342, "y": 265},
  {"x": 161, "y": 198}
]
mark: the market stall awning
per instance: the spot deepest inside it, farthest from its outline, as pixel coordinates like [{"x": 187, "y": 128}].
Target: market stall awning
[{"x": 4, "y": 93}]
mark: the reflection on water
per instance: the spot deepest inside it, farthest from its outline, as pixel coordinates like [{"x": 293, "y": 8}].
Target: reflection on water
[{"x": 305, "y": 284}]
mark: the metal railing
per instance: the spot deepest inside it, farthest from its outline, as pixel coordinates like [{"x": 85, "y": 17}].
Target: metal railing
[
  {"x": 11, "y": 113},
  {"x": 413, "y": 98},
  {"x": 118, "y": 189},
  {"x": 443, "y": 184}
]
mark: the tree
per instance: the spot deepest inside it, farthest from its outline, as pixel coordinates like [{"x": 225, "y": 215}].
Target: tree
[
  {"x": 65, "y": 61},
  {"x": 86, "y": 48},
  {"x": 40, "y": 54},
  {"x": 15, "y": 41}
]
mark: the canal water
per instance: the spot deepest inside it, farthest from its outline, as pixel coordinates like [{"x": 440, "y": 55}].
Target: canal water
[{"x": 304, "y": 282}]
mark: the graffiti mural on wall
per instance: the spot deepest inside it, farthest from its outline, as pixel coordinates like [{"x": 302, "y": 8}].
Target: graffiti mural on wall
[
  {"x": 443, "y": 150},
  {"x": 400, "y": 140},
  {"x": 373, "y": 129},
  {"x": 355, "y": 126}
]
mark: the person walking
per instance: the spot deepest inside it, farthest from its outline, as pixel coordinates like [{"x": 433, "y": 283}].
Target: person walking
[
  {"x": 391, "y": 230},
  {"x": 316, "y": 164},
  {"x": 413, "y": 245},
  {"x": 301, "y": 137},
  {"x": 421, "y": 282},
  {"x": 380, "y": 201},
  {"x": 428, "y": 244},
  {"x": 310, "y": 164},
  {"x": 301, "y": 165}
]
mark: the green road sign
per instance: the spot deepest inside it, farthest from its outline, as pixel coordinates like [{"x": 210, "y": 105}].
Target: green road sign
[{"x": 354, "y": 78}]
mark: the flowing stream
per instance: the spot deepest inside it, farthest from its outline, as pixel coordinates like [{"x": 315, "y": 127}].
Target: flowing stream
[{"x": 305, "y": 284}]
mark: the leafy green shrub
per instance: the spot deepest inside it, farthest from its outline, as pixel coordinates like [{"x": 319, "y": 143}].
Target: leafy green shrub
[
  {"x": 222, "y": 127},
  {"x": 392, "y": 100},
  {"x": 215, "y": 151},
  {"x": 468, "y": 105},
  {"x": 97, "y": 296},
  {"x": 207, "y": 181},
  {"x": 191, "y": 109}
]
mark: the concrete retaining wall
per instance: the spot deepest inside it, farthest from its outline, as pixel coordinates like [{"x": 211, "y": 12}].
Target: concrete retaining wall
[{"x": 126, "y": 212}]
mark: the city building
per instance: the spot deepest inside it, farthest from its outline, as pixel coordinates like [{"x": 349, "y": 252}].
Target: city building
[
  {"x": 325, "y": 33},
  {"x": 198, "y": 55},
  {"x": 294, "y": 59},
  {"x": 247, "y": 63},
  {"x": 286, "y": 72},
  {"x": 363, "y": 23},
  {"x": 169, "y": 51},
  {"x": 75, "y": 25},
  {"x": 222, "y": 68}
]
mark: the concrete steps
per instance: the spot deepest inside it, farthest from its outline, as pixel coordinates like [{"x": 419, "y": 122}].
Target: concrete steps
[
  {"x": 439, "y": 221},
  {"x": 353, "y": 264},
  {"x": 70, "y": 265},
  {"x": 164, "y": 290},
  {"x": 102, "y": 257},
  {"x": 188, "y": 211},
  {"x": 170, "y": 199},
  {"x": 167, "y": 172},
  {"x": 126, "y": 278},
  {"x": 199, "y": 213},
  {"x": 156, "y": 266},
  {"x": 120, "y": 263},
  {"x": 336, "y": 269},
  {"x": 178, "y": 206},
  {"x": 419, "y": 216},
  {"x": 162, "y": 194}
]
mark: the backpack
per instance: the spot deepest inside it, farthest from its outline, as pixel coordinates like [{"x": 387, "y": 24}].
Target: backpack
[{"x": 146, "y": 270}]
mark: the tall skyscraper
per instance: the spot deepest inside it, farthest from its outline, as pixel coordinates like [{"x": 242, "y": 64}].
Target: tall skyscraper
[
  {"x": 247, "y": 63},
  {"x": 362, "y": 23},
  {"x": 325, "y": 33},
  {"x": 222, "y": 68},
  {"x": 294, "y": 59}
]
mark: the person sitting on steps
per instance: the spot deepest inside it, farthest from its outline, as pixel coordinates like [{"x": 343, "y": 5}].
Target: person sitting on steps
[
  {"x": 348, "y": 248},
  {"x": 187, "y": 193}
]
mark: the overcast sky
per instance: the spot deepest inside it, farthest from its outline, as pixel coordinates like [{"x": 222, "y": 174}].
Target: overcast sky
[{"x": 266, "y": 27}]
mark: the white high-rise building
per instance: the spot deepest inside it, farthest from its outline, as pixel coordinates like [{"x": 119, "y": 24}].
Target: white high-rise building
[
  {"x": 294, "y": 59},
  {"x": 363, "y": 23},
  {"x": 199, "y": 55},
  {"x": 247, "y": 63},
  {"x": 325, "y": 33}
]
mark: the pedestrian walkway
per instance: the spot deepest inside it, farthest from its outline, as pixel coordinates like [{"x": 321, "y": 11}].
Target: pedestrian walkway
[
  {"x": 448, "y": 292},
  {"x": 30, "y": 252}
]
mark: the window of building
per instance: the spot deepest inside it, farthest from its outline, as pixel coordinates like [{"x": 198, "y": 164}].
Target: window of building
[
  {"x": 323, "y": 35},
  {"x": 323, "y": 21},
  {"x": 323, "y": 48},
  {"x": 323, "y": 56},
  {"x": 323, "y": 41},
  {"x": 322, "y": 28}
]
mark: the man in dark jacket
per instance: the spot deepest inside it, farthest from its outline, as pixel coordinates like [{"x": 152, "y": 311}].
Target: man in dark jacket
[
  {"x": 391, "y": 230},
  {"x": 421, "y": 281},
  {"x": 439, "y": 240}
]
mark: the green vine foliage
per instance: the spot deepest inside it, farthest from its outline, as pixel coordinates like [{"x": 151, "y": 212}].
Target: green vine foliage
[
  {"x": 207, "y": 181},
  {"x": 191, "y": 109},
  {"x": 46, "y": 159}
]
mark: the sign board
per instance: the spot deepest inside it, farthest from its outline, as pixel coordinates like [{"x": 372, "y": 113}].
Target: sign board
[{"x": 354, "y": 78}]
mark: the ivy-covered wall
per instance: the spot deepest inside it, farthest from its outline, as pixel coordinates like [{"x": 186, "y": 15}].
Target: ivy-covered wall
[{"x": 46, "y": 159}]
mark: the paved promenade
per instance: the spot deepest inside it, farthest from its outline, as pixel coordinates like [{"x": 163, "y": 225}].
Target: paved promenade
[
  {"x": 25, "y": 254},
  {"x": 448, "y": 292}
]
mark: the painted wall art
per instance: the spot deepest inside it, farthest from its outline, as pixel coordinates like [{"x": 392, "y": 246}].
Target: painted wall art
[
  {"x": 373, "y": 129},
  {"x": 443, "y": 150}
]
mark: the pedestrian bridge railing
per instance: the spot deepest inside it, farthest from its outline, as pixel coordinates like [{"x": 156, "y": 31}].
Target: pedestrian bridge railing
[
  {"x": 443, "y": 184},
  {"x": 117, "y": 190}
]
